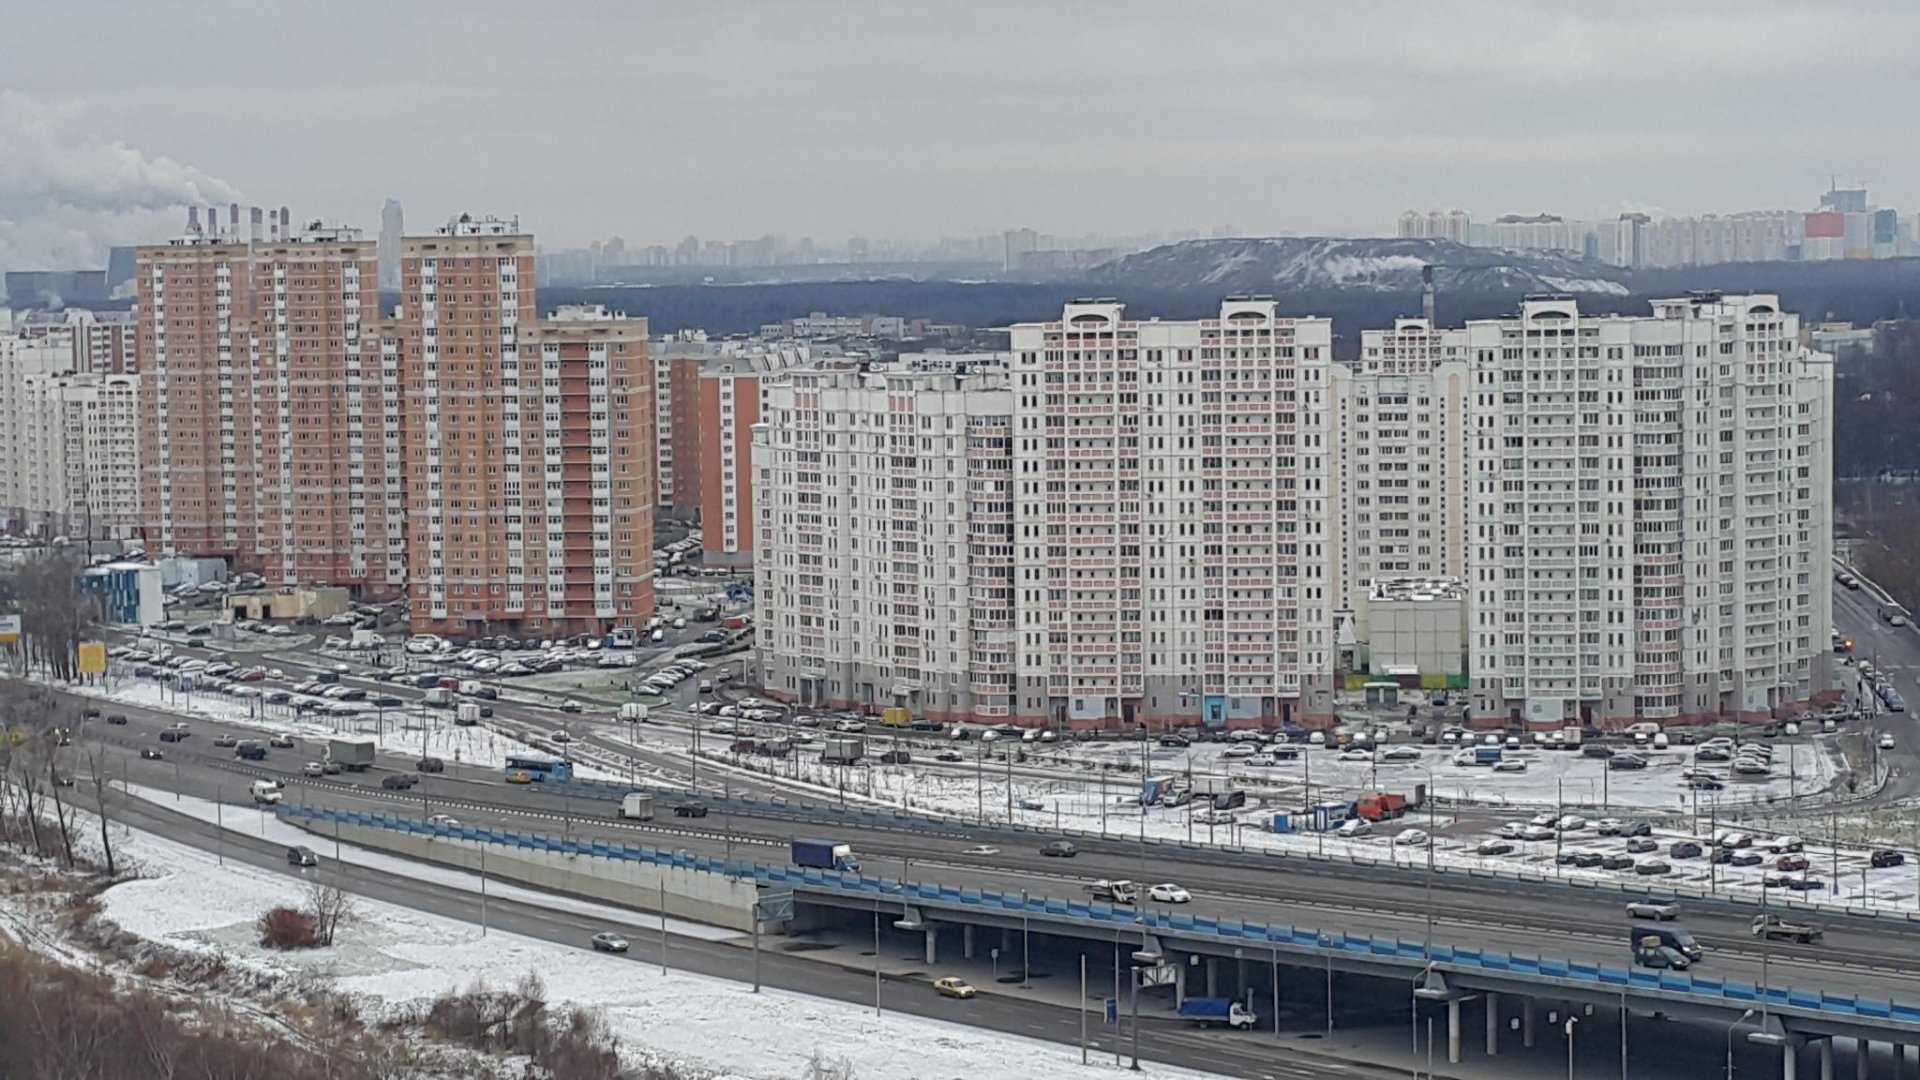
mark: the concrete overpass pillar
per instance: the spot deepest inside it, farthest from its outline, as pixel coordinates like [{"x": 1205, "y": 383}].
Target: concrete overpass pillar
[
  {"x": 1862, "y": 1059},
  {"x": 966, "y": 940},
  {"x": 1213, "y": 977},
  {"x": 1006, "y": 941},
  {"x": 1789, "y": 1061},
  {"x": 1493, "y": 1025},
  {"x": 1526, "y": 1022},
  {"x": 933, "y": 944},
  {"x": 1826, "y": 1058},
  {"x": 1899, "y": 1061},
  {"x": 1453, "y": 1032},
  {"x": 1179, "y": 980}
]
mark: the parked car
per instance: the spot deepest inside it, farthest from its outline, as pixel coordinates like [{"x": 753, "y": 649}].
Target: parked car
[
  {"x": 1885, "y": 857},
  {"x": 1640, "y": 845},
  {"x": 1617, "y": 862},
  {"x": 1684, "y": 849},
  {"x": 1653, "y": 867},
  {"x": 1495, "y": 847}
]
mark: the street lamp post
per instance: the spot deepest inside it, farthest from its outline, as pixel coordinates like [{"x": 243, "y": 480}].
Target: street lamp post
[
  {"x": 1571, "y": 1021},
  {"x": 1743, "y": 1018}
]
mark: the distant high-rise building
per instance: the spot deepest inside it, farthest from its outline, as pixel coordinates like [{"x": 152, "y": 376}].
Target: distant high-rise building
[
  {"x": 1017, "y": 244},
  {"x": 393, "y": 226}
]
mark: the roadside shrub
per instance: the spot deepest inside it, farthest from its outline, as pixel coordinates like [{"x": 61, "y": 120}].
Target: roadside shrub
[{"x": 286, "y": 928}]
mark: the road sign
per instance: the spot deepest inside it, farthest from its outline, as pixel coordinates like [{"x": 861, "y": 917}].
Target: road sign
[{"x": 9, "y": 629}]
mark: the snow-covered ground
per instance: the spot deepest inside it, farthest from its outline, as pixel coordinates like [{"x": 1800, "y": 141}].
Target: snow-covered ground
[{"x": 393, "y": 957}]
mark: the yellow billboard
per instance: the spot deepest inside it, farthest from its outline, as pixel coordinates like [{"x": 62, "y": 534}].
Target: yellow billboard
[
  {"x": 9, "y": 629},
  {"x": 93, "y": 658}
]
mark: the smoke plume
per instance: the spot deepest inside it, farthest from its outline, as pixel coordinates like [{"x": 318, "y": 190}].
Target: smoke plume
[{"x": 66, "y": 194}]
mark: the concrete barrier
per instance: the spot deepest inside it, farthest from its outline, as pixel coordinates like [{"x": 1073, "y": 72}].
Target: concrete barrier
[{"x": 694, "y": 895}]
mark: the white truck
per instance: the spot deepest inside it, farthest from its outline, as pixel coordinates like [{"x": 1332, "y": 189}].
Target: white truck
[
  {"x": 467, "y": 714},
  {"x": 633, "y": 713},
  {"x": 439, "y": 697},
  {"x": 637, "y": 806}
]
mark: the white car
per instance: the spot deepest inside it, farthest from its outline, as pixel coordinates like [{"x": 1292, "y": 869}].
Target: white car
[
  {"x": 1609, "y": 826},
  {"x": 1353, "y": 827},
  {"x": 1240, "y": 749},
  {"x": 981, "y": 849},
  {"x": 1546, "y": 817},
  {"x": 1356, "y": 755},
  {"x": 1537, "y": 832},
  {"x": 1513, "y": 830},
  {"x": 1169, "y": 893},
  {"x": 1410, "y": 838},
  {"x": 1512, "y": 764},
  {"x": 1571, "y": 823},
  {"x": 1886, "y": 742},
  {"x": 1261, "y": 761}
]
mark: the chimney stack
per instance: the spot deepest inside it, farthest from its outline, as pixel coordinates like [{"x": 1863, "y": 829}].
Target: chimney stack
[{"x": 1426, "y": 296}]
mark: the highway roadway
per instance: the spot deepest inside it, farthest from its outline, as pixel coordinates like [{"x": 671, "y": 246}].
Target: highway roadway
[
  {"x": 1896, "y": 651},
  {"x": 1170, "y": 1042},
  {"x": 1862, "y": 956}
]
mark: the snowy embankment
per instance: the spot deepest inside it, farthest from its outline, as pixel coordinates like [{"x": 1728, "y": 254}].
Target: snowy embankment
[{"x": 393, "y": 959}]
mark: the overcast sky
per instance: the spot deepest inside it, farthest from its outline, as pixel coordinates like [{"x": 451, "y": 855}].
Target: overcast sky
[{"x": 915, "y": 120}]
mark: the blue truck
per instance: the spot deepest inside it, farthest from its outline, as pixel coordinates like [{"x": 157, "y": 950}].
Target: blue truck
[
  {"x": 1486, "y": 755},
  {"x": 1205, "y": 1011},
  {"x": 824, "y": 855}
]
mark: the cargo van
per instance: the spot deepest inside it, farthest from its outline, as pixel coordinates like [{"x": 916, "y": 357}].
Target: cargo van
[{"x": 266, "y": 792}]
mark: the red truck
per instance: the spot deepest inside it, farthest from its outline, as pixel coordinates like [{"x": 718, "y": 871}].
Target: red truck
[
  {"x": 736, "y": 622},
  {"x": 1380, "y": 806}
]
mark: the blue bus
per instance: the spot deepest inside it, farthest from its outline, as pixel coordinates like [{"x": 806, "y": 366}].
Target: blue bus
[{"x": 536, "y": 768}]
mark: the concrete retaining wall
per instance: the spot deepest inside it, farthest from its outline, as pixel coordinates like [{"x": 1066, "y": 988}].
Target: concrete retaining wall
[{"x": 694, "y": 895}]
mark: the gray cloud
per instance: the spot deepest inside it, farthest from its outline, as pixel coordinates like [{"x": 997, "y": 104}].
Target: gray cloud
[{"x": 734, "y": 118}]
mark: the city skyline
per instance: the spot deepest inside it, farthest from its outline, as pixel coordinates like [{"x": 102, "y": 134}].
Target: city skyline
[{"x": 1351, "y": 113}]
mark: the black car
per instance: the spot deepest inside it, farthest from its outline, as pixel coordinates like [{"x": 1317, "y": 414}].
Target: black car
[
  {"x": 384, "y": 701},
  {"x": 430, "y": 764},
  {"x": 398, "y": 781},
  {"x": 90, "y": 713},
  {"x": 169, "y": 736},
  {"x": 1806, "y": 884},
  {"x": 1567, "y": 858},
  {"x": 1746, "y": 858},
  {"x": 1626, "y": 761},
  {"x": 1887, "y": 857},
  {"x": 116, "y": 718},
  {"x": 1684, "y": 849},
  {"x": 1595, "y": 750},
  {"x": 1721, "y": 856},
  {"x": 1617, "y": 862},
  {"x": 1706, "y": 783},
  {"x": 354, "y": 694},
  {"x": 896, "y": 757},
  {"x": 150, "y": 754},
  {"x": 1060, "y": 849},
  {"x": 1174, "y": 741},
  {"x": 690, "y": 809},
  {"x": 278, "y": 697}
]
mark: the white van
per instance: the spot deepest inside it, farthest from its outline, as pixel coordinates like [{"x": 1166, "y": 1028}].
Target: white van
[
  {"x": 1645, "y": 727},
  {"x": 1660, "y": 741},
  {"x": 266, "y": 792}
]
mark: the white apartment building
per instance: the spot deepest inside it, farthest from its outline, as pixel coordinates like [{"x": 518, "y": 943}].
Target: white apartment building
[
  {"x": 1650, "y": 514},
  {"x": 885, "y": 569},
  {"x": 1132, "y": 523},
  {"x": 1400, "y": 464},
  {"x": 69, "y": 444},
  {"x": 1175, "y": 549}
]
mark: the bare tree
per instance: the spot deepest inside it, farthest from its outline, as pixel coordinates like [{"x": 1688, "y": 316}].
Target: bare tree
[
  {"x": 97, "y": 776},
  {"x": 330, "y": 906},
  {"x": 25, "y": 770},
  {"x": 61, "y": 812},
  {"x": 55, "y": 614}
]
